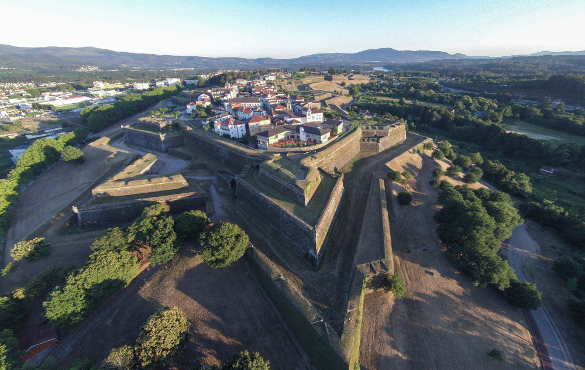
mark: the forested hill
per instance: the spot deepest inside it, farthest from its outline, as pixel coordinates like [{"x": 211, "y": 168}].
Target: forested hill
[{"x": 18, "y": 57}]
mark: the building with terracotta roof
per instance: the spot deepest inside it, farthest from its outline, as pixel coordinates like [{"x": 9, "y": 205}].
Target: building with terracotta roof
[{"x": 258, "y": 124}]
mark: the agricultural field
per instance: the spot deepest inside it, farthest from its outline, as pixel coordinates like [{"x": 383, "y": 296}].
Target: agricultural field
[
  {"x": 444, "y": 321},
  {"x": 554, "y": 137}
]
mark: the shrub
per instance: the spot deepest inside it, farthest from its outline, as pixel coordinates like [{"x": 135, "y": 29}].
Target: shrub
[
  {"x": 190, "y": 224},
  {"x": 9, "y": 268},
  {"x": 245, "y": 361},
  {"x": 404, "y": 198},
  {"x": 496, "y": 354},
  {"x": 434, "y": 182},
  {"x": 121, "y": 358},
  {"x": 524, "y": 295},
  {"x": 406, "y": 175},
  {"x": 30, "y": 249},
  {"x": 223, "y": 243},
  {"x": 395, "y": 284},
  {"x": 161, "y": 338},
  {"x": 568, "y": 267},
  {"x": 72, "y": 155},
  {"x": 395, "y": 176}
]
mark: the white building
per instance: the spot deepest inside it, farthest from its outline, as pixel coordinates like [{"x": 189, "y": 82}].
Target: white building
[
  {"x": 231, "y": 127},
  {"x": 141, "y": 86}
]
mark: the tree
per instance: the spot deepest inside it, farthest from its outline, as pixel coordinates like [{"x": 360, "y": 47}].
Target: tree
[
  {"x": 453, "y": 171},
  {"x": 404, "y": 198},
  {"x": 72, "y": 155},
  {"x": 31, "y": 249},
  {"x": 115, "y": 240},
  {"x": 162, "y": 338},
  {"x": 476, "y": 158},
  {"x": 189, "y": 224},
  {"x": 11, "y": 312},
  {"x": 223, "y": 243},
  {"x": 438, "y": 154},
  {"x": 121, "y": 358},
  {"x": 354, "y": 91},
  {"x": 473, "y": 175},
  {"x": 463, "y": 161},
  {"x": 524, "y": 295},
  {"x": 155, "y": 228}
]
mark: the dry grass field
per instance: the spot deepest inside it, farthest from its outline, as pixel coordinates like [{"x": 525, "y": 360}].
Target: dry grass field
[
  {"x": 227, "y": 307},
  {"x": 444, "y": 322},
  {"x": 328, "y": 86}
]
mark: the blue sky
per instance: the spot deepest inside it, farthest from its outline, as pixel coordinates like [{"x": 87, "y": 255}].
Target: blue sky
[{"x": 281, "y": 29}]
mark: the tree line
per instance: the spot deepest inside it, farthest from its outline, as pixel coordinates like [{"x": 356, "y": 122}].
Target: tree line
[
  {"x": 473, "y": 224},
  {"x": 36, "y": 159},
  {"x": 97, "y": 118}
]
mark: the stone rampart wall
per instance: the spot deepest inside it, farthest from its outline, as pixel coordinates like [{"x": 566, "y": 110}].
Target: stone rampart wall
[
  {"x": 336, "y": 156},
  {"x": 206, "y": 166},
  {"x": 296, "y": 230},
  {"x": 291, "y": 190},
  {"x": 328, "y": 214},
  {"x": 370, "y": 146},
  {"x": 103, "y": 215},
  {"x": 228, "y": 156},
  {"x": 385, "y": 220},
  {"x": 125, "y": 190},
  {"x": 152, "y": 140}
]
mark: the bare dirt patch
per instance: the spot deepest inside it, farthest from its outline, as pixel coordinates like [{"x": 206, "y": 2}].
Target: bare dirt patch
[
  {"x": 227, "y": 308},
  {"x": 445, "y": 322},
  {"x": 46, "y": 204}
]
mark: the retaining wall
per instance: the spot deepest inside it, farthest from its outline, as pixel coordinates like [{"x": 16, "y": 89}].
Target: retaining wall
[
  {"x": 102, "y": 215},
  {"x": 336, "y": 156},
  {"x": 228, "y": 156},
  {"x": 292, "y": 190},
  {"x": 152, "y": 140},
  {"x": 385, "y": 220},
  {"x": 296, "y": 230},
  {"x": 328, "y": 214}
]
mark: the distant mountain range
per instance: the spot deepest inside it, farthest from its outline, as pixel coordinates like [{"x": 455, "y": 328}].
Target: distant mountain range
[
  {"x": 541, "y": 53},
  {"x": 14, "y": 57}
]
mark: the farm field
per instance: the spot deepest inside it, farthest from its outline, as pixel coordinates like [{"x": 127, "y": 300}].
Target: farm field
[
  {"x": 228, "y": 310},
  {"x": 555, "y": 137},
  {"x": 444, "y": 322}
]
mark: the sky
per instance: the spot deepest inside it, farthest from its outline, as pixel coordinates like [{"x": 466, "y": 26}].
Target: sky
[{"x": 283, "y": 29}]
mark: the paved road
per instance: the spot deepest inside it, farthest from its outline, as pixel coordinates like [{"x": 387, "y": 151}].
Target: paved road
[{"x": 546, "y": 334}]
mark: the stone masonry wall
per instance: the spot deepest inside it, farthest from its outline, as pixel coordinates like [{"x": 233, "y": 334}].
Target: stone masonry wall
[
  {"x": 228, "y": 156},
  {"x": 385, "y": 220},
  {"x": 152, "y": 140},
  {"x": 125, "y": 190},
  {"x": 292, "y": 190},
  {"x": 122, "y": 212},
  {"x": 296, "y": 230},
  {"x": 336, "y": 156},
  {"x": 328, "y": 214}
]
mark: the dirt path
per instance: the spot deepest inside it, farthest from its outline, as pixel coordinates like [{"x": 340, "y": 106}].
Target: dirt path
[
  {"x": 445, "y": 322},
  {"x": 523, "y": 247}
]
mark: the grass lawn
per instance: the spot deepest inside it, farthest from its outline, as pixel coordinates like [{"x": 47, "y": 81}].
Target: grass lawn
[
  {"x": 555, "y": 137},
  {"x": 73, "y": 106},
  {"x": 310, "y": 214}
]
